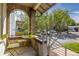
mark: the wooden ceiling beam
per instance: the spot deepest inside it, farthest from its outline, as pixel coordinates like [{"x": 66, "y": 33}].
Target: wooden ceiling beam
[
  {"x": 41, "y": 12},
  {"x": 42, "y": 8},
  {"x": 37, "y": 5}
]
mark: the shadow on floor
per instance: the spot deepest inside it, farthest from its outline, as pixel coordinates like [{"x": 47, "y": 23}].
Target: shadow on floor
[{"x": 21, "y": 51}]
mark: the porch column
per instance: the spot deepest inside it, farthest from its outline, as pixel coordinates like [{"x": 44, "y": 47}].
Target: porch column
[
  {"x": 7, "y": 23},
  {"x": 4, "y": 18},
  {"x": 1, "y": 19},
  {"x": 3, "y": 28},
  {"x": 32, "y": 24}
]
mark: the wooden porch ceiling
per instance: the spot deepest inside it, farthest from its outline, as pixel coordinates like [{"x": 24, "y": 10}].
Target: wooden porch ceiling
[{"x": 40, "y": 7}]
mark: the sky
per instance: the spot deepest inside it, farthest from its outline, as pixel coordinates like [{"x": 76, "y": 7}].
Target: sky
[{"x": 73, "y": 9}]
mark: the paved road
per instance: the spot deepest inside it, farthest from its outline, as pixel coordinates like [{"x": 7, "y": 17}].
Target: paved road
[
  {"x": 74, "y": 36},
  {"x": 64, "y": 38}
]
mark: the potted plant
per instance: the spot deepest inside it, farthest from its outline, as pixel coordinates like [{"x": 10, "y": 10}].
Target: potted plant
[{"x": 30, "y": 35}]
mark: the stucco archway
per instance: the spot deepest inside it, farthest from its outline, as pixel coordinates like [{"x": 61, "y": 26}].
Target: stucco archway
[
  {"x": 30, "y": 12},
  {"x": 17, "y": 19}
]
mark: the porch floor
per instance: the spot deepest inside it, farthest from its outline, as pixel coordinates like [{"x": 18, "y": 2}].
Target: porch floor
[{"x": 21, "y": 51}]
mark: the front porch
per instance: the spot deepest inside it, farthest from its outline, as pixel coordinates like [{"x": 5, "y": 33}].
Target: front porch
[
  {"x": 45, "y": 43},
  {"x": 22, "y": 45}
]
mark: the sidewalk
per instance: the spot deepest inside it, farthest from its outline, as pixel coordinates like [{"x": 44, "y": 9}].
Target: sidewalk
[{"x": 61, "y": 52}]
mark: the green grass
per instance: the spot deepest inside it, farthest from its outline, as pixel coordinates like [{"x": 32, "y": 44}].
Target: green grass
[{"x": 72, "y": 46}]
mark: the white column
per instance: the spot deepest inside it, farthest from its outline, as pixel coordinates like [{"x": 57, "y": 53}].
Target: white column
[
  {"x": 3, "y": 27},
  {"x": 12, "y": 24},
  {"x": 4, "y": 18},
  {"x": 0, "y": 19}
]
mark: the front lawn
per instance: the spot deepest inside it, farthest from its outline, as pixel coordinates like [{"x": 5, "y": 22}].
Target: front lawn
[{"x": 72, "y": 46}]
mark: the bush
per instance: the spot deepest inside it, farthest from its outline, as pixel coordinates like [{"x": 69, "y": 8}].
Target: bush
[{"x": 19, "y": 33}]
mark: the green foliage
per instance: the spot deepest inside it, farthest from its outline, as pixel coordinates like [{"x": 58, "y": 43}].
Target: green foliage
[
  {"x": 59, "y": 20},
  {"x": 30, "y": 35},
  {"x": 25, "y": 25},
  {"x": 43, "y": 22},
  {"x": 19, "y": 33},
  {"x": 62, "y": 20},
  {"x": 71, "y": 22}
]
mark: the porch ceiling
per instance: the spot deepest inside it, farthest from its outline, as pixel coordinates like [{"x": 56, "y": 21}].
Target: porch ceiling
[{"x": 40, "y": 7}]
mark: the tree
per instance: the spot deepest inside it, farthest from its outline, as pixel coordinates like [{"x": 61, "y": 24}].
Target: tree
[
  {"x": 71, "y": 22},
  {"x": 44, "y": 22},
  {"x": 62, "y": 20},
  {"x": 25, "y": 25}
]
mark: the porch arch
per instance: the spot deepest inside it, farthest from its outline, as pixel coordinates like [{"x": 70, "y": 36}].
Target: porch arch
[
  {"x": 29, "y": 11},
  {"x": 15, "y": 17}
]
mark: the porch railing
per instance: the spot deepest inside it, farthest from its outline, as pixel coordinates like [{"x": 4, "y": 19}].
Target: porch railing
[
  {"x": 58, "y": 48},
  {"x": 55, "y": 45}
]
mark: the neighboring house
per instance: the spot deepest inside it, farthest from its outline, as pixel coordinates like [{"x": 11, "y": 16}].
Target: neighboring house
[
  {"x": 19, "y": 25},
  {"x": 73, "y": 28}
]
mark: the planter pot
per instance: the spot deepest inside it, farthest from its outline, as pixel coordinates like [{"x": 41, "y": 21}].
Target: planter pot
[{"x": 2, "y": 47}]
